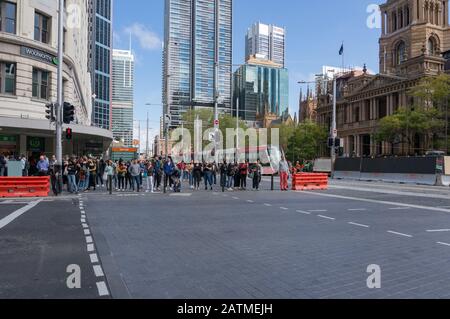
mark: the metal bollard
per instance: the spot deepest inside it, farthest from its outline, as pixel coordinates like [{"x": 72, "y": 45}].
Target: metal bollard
[
  {"x": 110, "y": 184},
  {"x": 272, "y": 187}
]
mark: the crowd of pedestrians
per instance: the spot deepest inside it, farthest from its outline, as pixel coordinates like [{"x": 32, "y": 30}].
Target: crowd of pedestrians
[{"x": 84, "y": 174}]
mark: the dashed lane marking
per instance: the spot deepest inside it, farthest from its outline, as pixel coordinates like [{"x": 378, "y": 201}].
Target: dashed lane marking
[
  {"x": 443, "y": 244},
  {"x": 284, "y": 208},
  {"x": 438, "y": 230},
  {"x": 250, "y": 201},
  {"x": 399, "y": 234},
  {"x": 267, "y": 205},
  {"x": 89, "y": 240},
  {"x": 326, "y": 217},
  {"x": 94, "y": 258},
  {"x": 87, "y": 232},
  {"x": 318, "y": 210},
  {"x": 90, "y": 248},
  {"x": 236, "y": 198},
  {"x": 357, "y": 209},
  {"x": 359, "y": 225},
  {"x": 98, "y": 271},
  {"x": 400, "y": 208},
  {"x": 102, "y": 289},
  {"x": 303, "y": 212}
]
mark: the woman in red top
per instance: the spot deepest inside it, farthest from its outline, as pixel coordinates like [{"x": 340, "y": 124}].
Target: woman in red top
[{"x": 243, "y": 172}]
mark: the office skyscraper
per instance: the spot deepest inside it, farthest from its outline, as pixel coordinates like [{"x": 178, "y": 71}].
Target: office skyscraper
[
  {"x": 191, "y": 30},
  {"x": 100, "y": 51},
  {"x": 266, "y": 42},
  {"x": 123, "y": 96}
]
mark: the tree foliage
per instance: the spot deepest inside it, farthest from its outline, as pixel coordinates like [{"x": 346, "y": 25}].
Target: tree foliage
[{"x": 303, "y": 141}]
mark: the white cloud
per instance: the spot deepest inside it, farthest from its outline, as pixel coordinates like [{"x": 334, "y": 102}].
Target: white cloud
[{"x": 147, "y": 39}]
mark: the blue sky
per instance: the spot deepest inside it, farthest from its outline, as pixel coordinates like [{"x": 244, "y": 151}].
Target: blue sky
[{"x": 315, "y": 31}]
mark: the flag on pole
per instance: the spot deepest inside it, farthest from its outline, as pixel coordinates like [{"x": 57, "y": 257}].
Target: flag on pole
[{"x": 341, "y": 51}]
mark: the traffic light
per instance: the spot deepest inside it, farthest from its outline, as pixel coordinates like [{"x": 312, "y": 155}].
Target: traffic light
[
  {"x": 68, "y": 113},
  {"x": 68, "y": 134},
  {"x": 330, "y": 142},
  {"x": 50, "y": 111},
  {"x": 337, "y": 143}
]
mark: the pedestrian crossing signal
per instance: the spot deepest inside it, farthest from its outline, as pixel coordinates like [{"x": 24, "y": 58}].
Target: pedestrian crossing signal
[{"x": 69, "y": 134}]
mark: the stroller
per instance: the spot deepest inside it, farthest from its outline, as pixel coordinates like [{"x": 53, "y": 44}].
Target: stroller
[{"x": 176, "y": 180}]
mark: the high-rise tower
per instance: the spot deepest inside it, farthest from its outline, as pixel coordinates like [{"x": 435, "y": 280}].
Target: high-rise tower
[{"x": 191, "y": 28}]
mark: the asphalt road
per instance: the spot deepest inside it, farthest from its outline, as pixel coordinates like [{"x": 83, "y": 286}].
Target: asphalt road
[
  {"x": 39, "y": 240},
  {"x": 276, "y": 245},
  {"x": 232, "y": 245}
]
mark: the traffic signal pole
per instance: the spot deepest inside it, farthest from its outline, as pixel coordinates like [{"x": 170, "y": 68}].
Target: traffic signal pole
[
  {"x": 60, "y": 102},
  {"x": 334, "y": 127}
]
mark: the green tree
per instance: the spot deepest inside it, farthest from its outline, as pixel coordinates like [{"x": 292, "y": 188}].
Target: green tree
[
  {"x": 305, "y": 141},
  {"x": 434, "y": 92},
  {"x": 405, "y": 124}
]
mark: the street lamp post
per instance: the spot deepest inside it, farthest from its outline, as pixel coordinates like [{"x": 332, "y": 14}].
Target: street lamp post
[{"x": 333, "y": 133}]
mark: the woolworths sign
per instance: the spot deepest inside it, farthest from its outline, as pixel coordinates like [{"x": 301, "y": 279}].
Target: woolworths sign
[{"x": 39, "y": 55}]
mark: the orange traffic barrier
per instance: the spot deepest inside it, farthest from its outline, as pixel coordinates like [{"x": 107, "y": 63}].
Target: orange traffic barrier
[
  {"x": 24, "y": 186},
  {"x": 310, "y": 181}
]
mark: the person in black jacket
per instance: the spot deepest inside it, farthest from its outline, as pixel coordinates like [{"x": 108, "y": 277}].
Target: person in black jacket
[{"x": 2, "y": 165}]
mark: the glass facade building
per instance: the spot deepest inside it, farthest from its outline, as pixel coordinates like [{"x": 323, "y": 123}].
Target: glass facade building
[
  {"x": 100, "y": 61},
  {"x": 267, "y": 42},
  {"x": 191, "y": 30},
  {"x": 260, "y": 90},
  {"x": 123, "y": 96}
]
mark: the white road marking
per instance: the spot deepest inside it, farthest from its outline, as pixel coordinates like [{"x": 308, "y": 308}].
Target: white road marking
[
  {"x": 102, "y": 289},
  {"x": 303, "y": 212},
  {"x": 357, "y": 209},
  {"x": 85, "y": 225},
  {"x": 94, "y": 258},
  {"x": 98, "y": 271},
  {"x": 399, "y": 234},
  {"x": 181, "y": 195},
  {"x": 90, "y": 247},
  {"x": 250, "y": 201},
  {"x": 438, "y": 230},
  {"x": 445, "y": 207},
  {"x": 359, "y": 225},
  {"x": 83, "y": 220},
  {"x": 444, "y": 244},
  {"x": 318, "y": 211},
  {"x": 10, "y": 218},
  {"x": 268, "y": 205},
  {"x": 236, "y": 198},
  {"x": 435, "y": 209},
  {"x": 326, "y": 217},
  {"x": 83, "y": 212},
  {"x": 87, "y": 232},
  {"x": 400, "y": 208},
  {"x": 89, "y": 240},
  {"x": 284, "y": 208},
  {"x": 391, "y": 192}
]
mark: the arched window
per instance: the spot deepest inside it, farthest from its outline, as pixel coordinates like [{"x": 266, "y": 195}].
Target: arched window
[
  {"x": 432, "y": 45},
  {"x": 400, "y": 53}
]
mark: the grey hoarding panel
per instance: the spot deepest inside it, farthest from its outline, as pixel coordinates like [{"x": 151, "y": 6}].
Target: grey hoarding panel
[
  {"x": 347, "y": 175},
  {"x": 348, "y": 164},
  {"x": 422, "y": 179},
  {"x": 400, "y": 165}
]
